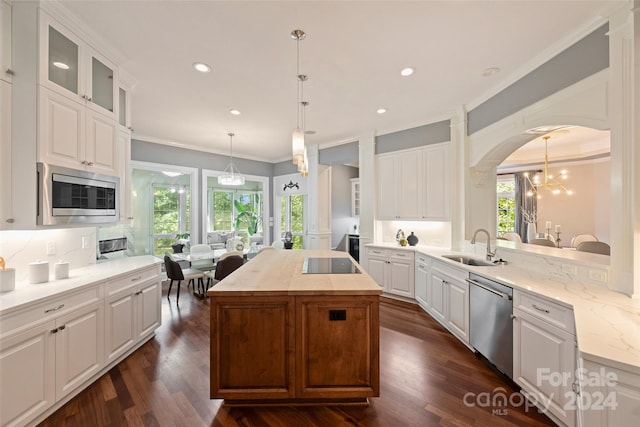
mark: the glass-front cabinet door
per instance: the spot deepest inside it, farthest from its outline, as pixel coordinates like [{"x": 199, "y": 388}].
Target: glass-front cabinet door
[
  {"x": 74, "y": 69},
  {"x": 63, "y": 61},
  {"x": 101, "y": 84}
]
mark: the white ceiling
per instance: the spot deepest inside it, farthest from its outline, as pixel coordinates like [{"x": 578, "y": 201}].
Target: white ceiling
[{"x": 353, "y": 54}]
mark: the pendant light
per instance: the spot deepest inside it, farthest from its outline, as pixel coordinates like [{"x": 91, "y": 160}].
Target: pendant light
[
  {"x": 297, "y": 138},
  {"x": 303, "y": 165},
  {"x": 231, "y": 175},
  {"x": 550, "y": 183}
]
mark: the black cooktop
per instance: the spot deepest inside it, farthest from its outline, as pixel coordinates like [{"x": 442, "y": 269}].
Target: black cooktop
[{"x": 313, "y": 265}]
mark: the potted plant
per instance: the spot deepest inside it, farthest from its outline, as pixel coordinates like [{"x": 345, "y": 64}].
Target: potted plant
[
  {"x": 181, "y": 240},
  {"x": 247, "y": 218}
]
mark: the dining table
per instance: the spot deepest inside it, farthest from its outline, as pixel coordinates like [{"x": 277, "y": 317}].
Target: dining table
[{"x": 215, "y": 254}]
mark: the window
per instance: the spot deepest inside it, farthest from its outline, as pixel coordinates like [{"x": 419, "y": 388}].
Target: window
[
  {"x": 227, "y": 205},
  {"x": 171, "y": 207},
  {"x": 292, "y": 218},
  {"x": 506, "y": 191}
]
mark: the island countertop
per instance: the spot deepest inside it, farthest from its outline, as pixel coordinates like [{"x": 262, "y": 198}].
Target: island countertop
[{"x": 279, "y": 272}]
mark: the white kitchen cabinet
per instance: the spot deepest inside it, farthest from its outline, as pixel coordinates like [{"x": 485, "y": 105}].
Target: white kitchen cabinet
[
  {"x": 435, "y": 183},
  {"x": 458, "y": 308},
  {"x": 609, "y": 396},
  {"x": 70, "y": 135},
  {"x": 132, "y": 310},
  {"x": 47, "y": 351},
  {"x": 355, "y": 196},
  {"x": 398, "y": 182},
  {"x": 423, "y": 280},
  {"x": 392, "y": 269},
  {"x": 27, "y": 374},
  {"x": 414, "y": 184},
  {"x": 544, "y": 355},
  {"x": 450, "y": 298},
  {"x": 124, "y": 162},
  {"x": 79, "y": 347},
  {"x": 6, "y": 67},
  {"x": 72, "y": 68}
]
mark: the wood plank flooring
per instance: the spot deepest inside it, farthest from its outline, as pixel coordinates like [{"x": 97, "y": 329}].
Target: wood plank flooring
[{"x": 424, "y": 374}]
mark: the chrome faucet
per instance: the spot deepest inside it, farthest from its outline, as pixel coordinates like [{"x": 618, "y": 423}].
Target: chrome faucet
[{"x": 473, "y": 241}]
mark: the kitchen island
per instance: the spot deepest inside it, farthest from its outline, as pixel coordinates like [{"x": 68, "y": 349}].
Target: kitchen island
[{"x": 281, "y": 336}]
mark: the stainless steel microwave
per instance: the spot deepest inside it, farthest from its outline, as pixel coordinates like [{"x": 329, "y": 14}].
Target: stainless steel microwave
[{"x": 70, "y": 196}]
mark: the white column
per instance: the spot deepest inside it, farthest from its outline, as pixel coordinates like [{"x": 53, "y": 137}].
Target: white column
[
  {"x": 624, "y": 105},
  {"x": 457, "y": 177},
  {"x": 319, "y": 202},
  {"x": 367, "y": 174}
]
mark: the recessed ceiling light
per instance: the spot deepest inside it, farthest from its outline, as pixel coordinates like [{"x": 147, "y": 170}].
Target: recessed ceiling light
[
  {"x": 234, "y": 112},
  {"x": 490, "y": 71},
  {"x": 60, "y": 65},
  {"x": 406, "y": 72},
  {"x": 202, "y": 67},
  {"x": 381, "y": 110},
  {"x": 171, "y": 174},
  {"x": 310, "y": 132}
]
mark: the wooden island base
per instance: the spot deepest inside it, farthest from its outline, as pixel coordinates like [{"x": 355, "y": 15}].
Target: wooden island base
[{"x": 280, "y": 337}]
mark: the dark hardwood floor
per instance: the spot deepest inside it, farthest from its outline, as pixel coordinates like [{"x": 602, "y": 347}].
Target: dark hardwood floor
[{"x": 424, "y": 374}]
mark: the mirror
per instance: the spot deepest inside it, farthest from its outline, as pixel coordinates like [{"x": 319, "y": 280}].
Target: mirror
[{"x": 235, "y": 211}]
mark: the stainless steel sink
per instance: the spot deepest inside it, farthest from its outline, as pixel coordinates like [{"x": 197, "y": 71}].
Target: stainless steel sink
[{"x": 468, "y": 260}]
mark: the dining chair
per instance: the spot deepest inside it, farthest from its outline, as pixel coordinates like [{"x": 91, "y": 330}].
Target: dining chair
[
  {"x": 542, "y": 242},
  {"x": 514, "y": 237},
  {"x": 231, "y": 253},
  {"x": 177, "y": 274},
  {"x": 225, "y": 267},
  {"x": 202, "y": 264},
  {"x": 582, "y": 238},
  {"x": 278, "y": 244},
  {"x": 594, "y": 247}
]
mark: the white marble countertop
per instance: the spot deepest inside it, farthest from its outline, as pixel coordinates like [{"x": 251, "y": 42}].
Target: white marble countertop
[
  {"x": 607, "y": 322},
  {"x": 26, "y": 293}
]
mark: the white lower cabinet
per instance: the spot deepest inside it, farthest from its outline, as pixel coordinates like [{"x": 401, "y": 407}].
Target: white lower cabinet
[
  {"x": 47, "y": 351},
  {"x": 133, "y": 310},
  {"x": 50, "y": 350},
  {"x": 609, "y": 396},
  {"x": 544, "y": 356},
  {"x": 27, "y": 374},
  {"x": 423, "y": 281},
  {"x": 450, "y": 298},
  {"x": 393, "y": 270}
]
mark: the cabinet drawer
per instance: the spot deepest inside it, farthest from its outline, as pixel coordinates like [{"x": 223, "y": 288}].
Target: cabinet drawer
[
  {"x": 376, "y": 252},
  {"x": 401, "y": 255},
  {"x": 131, "y": 279},
  {"x": 49, "y": 310},
  {"x": 422, "y": 258},
  {"x": 544, "y": 309}
]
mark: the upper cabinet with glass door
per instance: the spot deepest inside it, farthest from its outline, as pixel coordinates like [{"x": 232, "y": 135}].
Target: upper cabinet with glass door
[{"x": 74, "y": 69}]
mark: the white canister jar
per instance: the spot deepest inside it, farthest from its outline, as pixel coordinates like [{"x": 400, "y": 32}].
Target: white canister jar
[
  {"x": 39, "y": 272},
  {"x": 61, "y": 270},
  {"x": 7, "y": 279}
]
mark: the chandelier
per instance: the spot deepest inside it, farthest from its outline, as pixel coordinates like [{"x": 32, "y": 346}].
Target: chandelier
[
  {"x": 297, "y": 138},
  {"x": 552, "y": 183},
  {"x": 231, "y": 175}
]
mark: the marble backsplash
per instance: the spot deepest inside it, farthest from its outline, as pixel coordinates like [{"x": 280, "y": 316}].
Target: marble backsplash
[{"x": 74, "y": 245}]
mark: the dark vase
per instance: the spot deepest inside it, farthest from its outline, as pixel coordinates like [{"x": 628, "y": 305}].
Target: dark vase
[
  {"x": 412, "y": 239},
  {"x": 177, "y": 248},
  {"x": 288, "y": 245}
]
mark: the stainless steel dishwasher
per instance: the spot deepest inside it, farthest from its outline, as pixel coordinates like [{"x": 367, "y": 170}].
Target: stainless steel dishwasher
[{"x": 490, "y": 321}]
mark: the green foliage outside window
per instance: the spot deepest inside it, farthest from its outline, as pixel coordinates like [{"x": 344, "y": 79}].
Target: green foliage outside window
[
  {"x": 506, "y": 206},
  {"x": 292, "y": 217},
  {"x": 171, "y": 215}
]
